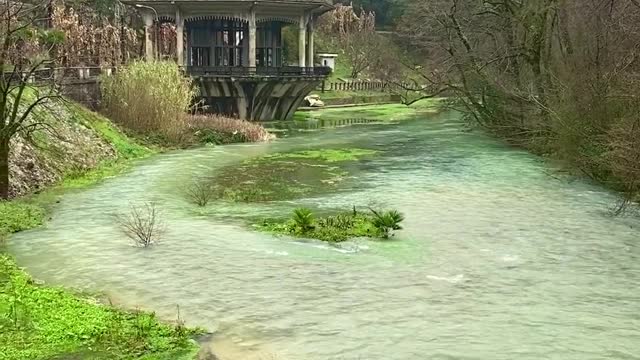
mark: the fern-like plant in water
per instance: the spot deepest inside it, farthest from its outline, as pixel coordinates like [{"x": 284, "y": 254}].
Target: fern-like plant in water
[
  {"x": 386, "y": 222},
  {"x": 303, "y": 219}
]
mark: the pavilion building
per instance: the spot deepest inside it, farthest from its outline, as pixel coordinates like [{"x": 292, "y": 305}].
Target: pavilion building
[{"x": 234, "y": 50}]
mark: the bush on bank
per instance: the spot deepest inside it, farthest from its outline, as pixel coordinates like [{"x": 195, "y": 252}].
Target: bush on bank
[
  {"x": 153, "y": 99},
  {"x": 148, "y": 97}
]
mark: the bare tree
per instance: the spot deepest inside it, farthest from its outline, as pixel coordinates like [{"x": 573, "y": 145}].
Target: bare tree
[
  {"x": 559, "y": 77},
  {"x": 142, "y": 224},
  {"x": 201, "y": 191},
  {"x": 354, "y": 33},
  {"x": 24, "y": 49}
]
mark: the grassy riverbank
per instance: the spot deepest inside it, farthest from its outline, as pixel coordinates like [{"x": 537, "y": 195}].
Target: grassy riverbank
[
  {"x": 41, "y": 322},
  {"x": 38, "y": 322},
  {"x": 30, "y": 211}
]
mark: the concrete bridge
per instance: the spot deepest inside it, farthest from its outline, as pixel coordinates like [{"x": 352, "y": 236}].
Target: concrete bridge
[{"x": 235, "y": 52}]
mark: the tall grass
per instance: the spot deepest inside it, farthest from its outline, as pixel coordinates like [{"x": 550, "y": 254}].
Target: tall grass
[{"x": 149, "y": 97}]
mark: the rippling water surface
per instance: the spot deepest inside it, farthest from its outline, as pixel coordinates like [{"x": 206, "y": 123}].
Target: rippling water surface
[{"x": 497, "y": 260}]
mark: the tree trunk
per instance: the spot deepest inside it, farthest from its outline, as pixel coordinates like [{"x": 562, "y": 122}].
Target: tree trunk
[{"x": 4, "y": 169}]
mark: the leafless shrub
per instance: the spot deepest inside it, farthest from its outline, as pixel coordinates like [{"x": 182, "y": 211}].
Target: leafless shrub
[
  {"x": 200, "y": 192},
  {"x": 142, "y": 224}
]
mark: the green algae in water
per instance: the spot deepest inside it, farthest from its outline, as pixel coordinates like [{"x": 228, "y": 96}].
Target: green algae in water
[
  {"x": 374, "y": 113},
  {"x": 286, "y": 176},
  {"x": 328, "y": 155}
]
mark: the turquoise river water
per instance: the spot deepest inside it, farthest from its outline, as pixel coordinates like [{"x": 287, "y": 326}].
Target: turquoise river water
[{"x": 497, "y": 259}]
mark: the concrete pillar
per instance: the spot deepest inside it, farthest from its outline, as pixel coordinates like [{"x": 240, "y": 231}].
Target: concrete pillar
[
  {"x": 252, "y": 38},
  {"x": 179, "y": 37},
  {"x": 148, "y": 36},
  {"x": 310, "y": 45},
  {"x": 302, "y": 39},
  {"x": 275, "y": 33}
]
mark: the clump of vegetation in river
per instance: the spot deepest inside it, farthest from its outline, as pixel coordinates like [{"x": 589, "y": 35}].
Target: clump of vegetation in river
[
  {"x": 38, "y": 322},
  {"x": 303, "y": 220},
  {"x": 142, "y": 224},
  {"x": 286, "y": 176},
  {"x": 387, "y": 221},
  {"x": 200, "y": 192},
  {"x": 337, "y": 228}
]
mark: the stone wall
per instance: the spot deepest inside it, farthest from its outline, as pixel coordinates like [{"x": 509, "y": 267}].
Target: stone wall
[{"x": 83, "y": 91}]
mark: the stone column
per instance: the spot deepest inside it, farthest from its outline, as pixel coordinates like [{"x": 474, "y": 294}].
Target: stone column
[
  {"x": 252, "y": 38},
  {"x": 179, "y": 37},
  {"x": 148, "y": 36},
  {"x": 302, "y": 46},
  {"x": 310, "y": 45}
]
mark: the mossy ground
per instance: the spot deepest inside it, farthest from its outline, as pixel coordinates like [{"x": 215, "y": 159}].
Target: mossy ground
[{"x": 285, "y": 176}]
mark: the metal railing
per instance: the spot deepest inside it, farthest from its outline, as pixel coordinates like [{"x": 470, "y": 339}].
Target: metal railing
[{"x": 240, "y": 71}]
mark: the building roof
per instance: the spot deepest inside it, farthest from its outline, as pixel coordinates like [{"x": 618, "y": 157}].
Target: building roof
[{"x": 232, "y": 6}]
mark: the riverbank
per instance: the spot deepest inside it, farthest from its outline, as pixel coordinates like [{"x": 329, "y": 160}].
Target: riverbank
[
  {"x": 38, "y": 321},
  {"x": 41, "y": 322},
  {"x": 44, "y": 322}
]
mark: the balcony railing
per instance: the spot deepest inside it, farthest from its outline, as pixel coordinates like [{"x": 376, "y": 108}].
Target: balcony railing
[{"x": 241, "y": 71}]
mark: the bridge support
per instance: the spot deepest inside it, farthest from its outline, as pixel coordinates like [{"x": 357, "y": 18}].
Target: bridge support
[{"x": 256, "y": 99}]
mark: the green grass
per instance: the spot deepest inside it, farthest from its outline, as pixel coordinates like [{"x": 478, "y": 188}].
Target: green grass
[
  {"x": 342, "y": 70},
  {"x": 349, "y": 94},
  {"x": 124, "y": 146},
  {"x": 17, "y": 216},
  {"x": 38, "y": 322}
]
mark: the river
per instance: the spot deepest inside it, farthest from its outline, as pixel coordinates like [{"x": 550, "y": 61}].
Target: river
[{"x": 497, "y": 259}]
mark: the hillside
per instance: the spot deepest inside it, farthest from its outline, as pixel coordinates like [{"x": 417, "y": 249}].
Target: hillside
[{"x": 73, "y": 141}]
